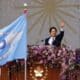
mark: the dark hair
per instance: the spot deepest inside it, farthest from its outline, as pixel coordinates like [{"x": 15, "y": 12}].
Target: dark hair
[{"x": 52, "y": 28}]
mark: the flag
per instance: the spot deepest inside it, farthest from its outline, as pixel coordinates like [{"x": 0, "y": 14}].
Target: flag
[{"x": 13, "y": 41}]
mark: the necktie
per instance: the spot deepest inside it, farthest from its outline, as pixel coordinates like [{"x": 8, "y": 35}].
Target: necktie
[{"x": 51, "y": 40}]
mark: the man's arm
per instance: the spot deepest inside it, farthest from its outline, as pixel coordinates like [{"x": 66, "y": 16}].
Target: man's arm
[{"x": 61, "y": 34}]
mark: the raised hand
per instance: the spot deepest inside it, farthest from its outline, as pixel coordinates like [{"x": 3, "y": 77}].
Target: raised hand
[{"x": 62, "y": 24}]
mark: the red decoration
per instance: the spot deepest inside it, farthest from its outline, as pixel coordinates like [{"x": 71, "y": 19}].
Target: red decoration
[{"x": 25, "y": 10}]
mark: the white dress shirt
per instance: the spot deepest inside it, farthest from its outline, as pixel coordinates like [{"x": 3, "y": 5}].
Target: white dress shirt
[{"x": 51, "y": 40}]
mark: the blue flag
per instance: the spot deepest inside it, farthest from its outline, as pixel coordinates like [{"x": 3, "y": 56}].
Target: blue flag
[{"x": 13, "y": 41}]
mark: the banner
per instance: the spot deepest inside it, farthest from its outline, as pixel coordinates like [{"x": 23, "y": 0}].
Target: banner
[{"x": 13, "y": 41}]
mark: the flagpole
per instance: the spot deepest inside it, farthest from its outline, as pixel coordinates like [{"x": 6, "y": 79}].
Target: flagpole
[
  {"x": 0, "y": 72},
  {"x": 25, "y": 64},
  {"x": 25, "y": 70}
]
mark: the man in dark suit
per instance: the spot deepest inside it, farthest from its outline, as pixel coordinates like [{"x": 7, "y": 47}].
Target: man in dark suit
[{"x": 54, "y": 39}]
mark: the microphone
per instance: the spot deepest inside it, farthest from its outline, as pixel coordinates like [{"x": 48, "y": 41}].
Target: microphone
[{"x": 42, "y": 40}]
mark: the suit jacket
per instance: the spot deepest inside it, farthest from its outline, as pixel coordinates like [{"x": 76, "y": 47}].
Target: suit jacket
[{"x": 57, "y": 41}]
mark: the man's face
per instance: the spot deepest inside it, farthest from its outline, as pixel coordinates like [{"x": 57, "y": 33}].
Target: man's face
[{"x": 53, "y": 33}]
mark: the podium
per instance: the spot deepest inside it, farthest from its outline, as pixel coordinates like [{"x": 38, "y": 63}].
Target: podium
[{"x": 59, "y": 61}]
